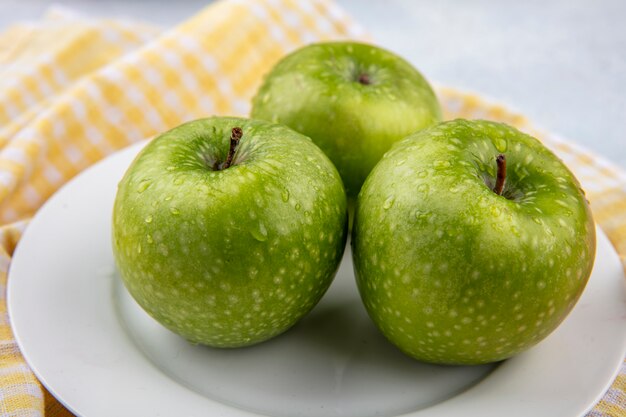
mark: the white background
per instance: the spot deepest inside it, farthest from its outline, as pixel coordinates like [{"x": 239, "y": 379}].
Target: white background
[{"x": 562, "y": 63}]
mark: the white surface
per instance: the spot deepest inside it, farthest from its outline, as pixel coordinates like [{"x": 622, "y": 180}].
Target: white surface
[
  {"x": 101, "y": 355},
  {"x": 560, "y": 62}
]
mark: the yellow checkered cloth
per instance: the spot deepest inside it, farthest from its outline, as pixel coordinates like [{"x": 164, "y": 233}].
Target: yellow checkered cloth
[{"x": 74, "y": 90}]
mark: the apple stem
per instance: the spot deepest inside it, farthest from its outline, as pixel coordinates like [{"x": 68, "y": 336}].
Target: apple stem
[
  {"x": 365, "y": 79},
  {"x": 235, "y": 135},
  {"x": 501, "y": 174}
]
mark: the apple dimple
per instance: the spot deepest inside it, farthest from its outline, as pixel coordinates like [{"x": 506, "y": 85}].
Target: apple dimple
[{"x": 364, "y": 79}]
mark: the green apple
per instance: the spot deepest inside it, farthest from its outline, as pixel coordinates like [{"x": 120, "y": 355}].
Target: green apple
[
  {"x": 471, "y": 243},
  {"x": 354, "y": 100},
  {"x": 227, "y": 231}
]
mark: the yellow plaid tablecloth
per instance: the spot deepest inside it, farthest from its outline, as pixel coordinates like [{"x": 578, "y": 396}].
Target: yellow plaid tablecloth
[{"x": 75, "y": 89}]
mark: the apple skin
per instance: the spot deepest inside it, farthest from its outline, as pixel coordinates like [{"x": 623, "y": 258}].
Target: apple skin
[
  {"x": 316, "y": 91},
  {"x": 236, "y": 256},
  {"x": 450, "y": 271}
]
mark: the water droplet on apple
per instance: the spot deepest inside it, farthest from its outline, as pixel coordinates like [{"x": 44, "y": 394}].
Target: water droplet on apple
[
  {"x": 168, "y": 198},
  {"x": 149, "y": 239},
  {"x": 389, "y": 202},
  {"x": 298, "y": 206},
  {"x": 400, "y": 162},
  {"x": 174, "y": 211},
  {"x": 148, "y": 218},
  {"x": 422, "y": 174},
  {"x": 171, "y": 168},
  {"x": 495, "y": 211},
  {"x": 143, "y": 185},
  {"x": 139, "y": 248},
  {"x": 441, "y": 164},
  {"x": 285, "y": 195},
  {"x": 259, "y": 233},
  {"x": 537, "y": 220},
  {"x": 529, "y": 158},
  {"x": 501, "y": 145},
  {"x": 423, "y": 188},
  {"x": 178, "y": 181}
]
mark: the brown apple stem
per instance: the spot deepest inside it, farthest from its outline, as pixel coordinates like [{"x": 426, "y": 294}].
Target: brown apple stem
[
  {"x": 365, "y": 79},
  {"x": 501, "y": 174},
  {"x": 235, "y": 135}
]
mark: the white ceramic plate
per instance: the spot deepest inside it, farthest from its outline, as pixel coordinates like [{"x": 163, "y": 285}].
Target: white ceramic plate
[{"x": 101, "y": 355}]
